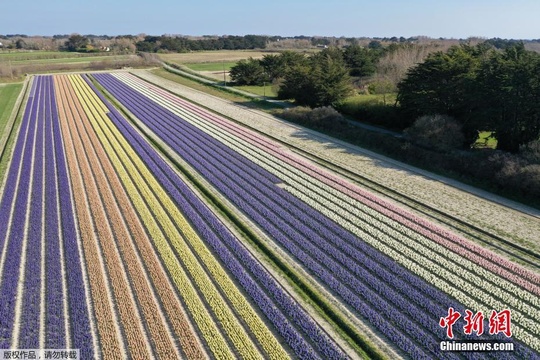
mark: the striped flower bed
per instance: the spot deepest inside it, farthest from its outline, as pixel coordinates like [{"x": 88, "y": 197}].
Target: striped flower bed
[{"x": 411, "y": 271}]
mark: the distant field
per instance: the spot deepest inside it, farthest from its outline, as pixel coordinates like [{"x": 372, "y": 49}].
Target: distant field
[
  {"x": 214, "y": 91},
  {"x": 198, "y": 86},
  {"x": 215, "y": 70},
  {"x": 35, "y": 55},
  {"x": 213, "y": 66},
  {"x": 216, "y": 75},
  {"x": 214, "y": 56},
  {"x": 13, "y": 65},
  {"x": 68, "y": 60},
  {"x": 267, "y": 90}
]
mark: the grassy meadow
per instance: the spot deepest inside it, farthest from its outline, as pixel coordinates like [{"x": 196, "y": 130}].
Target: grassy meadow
[
  {"x": 211, "y": 66},
  {"x": 8, "y": 97},
  {"x": 217, "y": 56}
]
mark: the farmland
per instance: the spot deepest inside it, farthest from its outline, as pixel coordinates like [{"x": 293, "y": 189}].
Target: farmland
[
  {"x": 220, "y": 56},
  {"x": 14, "y": 65},
  {"x": 11, "y": 97},
  {"x": 137, "y": 224}
]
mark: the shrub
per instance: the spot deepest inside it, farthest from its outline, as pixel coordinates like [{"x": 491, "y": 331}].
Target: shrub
[
  {"x": 376, "y": 113},
  {"x": 439, "y": 132},
  {"x": 324, "y": 118},
  {"x": 531, "y": 151}
]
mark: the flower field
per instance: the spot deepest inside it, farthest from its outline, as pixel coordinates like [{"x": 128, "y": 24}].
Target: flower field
[
  {"x": 115, "y": 256},
  {"x": 106, "y": 248}
]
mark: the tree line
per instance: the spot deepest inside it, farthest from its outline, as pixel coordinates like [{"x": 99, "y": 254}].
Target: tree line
[
  {"x": 493, "y": 86},
  {"x": 482, "y": 88},
  {"x": 317, "y": 79},
  {"x": 183, "y": 44}
]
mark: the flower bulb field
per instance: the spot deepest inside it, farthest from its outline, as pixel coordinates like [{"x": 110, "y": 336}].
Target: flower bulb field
[{"x": 136, "y": 224}]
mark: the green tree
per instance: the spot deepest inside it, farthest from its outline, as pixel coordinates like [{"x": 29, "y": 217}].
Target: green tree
[
  {"x": 361, "y": 61},
  {"x": 331, "y": 77},
  {"x": 510, "y": 88},
  {"x": 273, "y": 65},
  {"x": 77, "y": 42},
  {"x": 483, "y": 88},
  {"x": 248, "y": 72},
  {"x": 445, "y": 83},
  {"x": 20, "y": 44},
  {"x": 298, "y": 84},
  {"x": 276, "y": 66},
  {"x": 322, "y": 81},
  {"x": 375, "y": 44}
]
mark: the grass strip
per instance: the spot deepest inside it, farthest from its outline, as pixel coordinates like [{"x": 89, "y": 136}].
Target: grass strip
[
  {"x": 213, "y": 88},
  {"x": 10, "y": 119}
]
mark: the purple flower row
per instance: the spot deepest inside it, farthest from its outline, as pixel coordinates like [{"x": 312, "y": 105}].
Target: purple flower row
[
  {"x": 81, "y": 336},
  {"x": 477, "y": 254},
  {"x": 40, "y": 145},
  {"x": 491, "y": 261},
  {"x": 54, "y": 315},
  {"x": 381, "y": 265},
  {"x": 291, "y": 159},
  {"x": 21, "y": 162},
  {"x": 29, "y": 330}
]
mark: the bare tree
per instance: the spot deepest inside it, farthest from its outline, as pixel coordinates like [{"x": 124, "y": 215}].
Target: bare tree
[{"x": 394, "y": 65}]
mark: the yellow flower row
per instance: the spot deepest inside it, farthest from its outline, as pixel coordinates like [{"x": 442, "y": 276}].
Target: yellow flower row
[{"x": 168, "y": 215}]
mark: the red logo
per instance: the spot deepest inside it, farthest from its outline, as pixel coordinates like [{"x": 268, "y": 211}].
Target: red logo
[
  {"x": 449, "y": 321},
  {"x": 499, "y": 322},
  {"x": 474, "y": 323}
]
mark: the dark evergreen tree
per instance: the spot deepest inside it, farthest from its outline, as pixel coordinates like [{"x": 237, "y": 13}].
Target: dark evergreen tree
[
  {"x": 248, "y": 72},
  {"x": 322, "y": 81},
  {"x": 77, "y": 42},
  {"x": 361, "y": 61}
]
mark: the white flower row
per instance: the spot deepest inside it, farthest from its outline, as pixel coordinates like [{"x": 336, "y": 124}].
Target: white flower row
[{"x": 449, "y": 282}]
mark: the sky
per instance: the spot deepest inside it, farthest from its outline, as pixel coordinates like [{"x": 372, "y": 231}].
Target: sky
[{"x": 459, "y": 19}]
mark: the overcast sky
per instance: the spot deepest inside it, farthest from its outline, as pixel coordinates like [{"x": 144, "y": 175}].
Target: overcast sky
[{"x": 517, "y": 19}]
